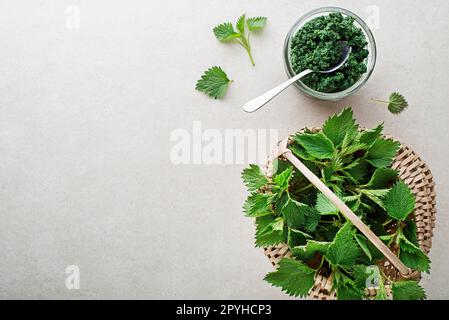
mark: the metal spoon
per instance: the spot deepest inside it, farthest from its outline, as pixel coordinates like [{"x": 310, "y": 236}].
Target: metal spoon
[{"x": 260, "y": 101}]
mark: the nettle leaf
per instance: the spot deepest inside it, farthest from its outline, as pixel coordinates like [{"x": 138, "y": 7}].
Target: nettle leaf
[
  {"x": 397, "y": 103},
  {"x": 400, "y": 201},
  {"x": 407, "y": 290},
  {"x": 324, "y": 206},
  {"x": 346, "y": 288},
  {"x": 293, "y": 277},
  {"x": 280, "y": 199},
  {"x": 412, "y": 256},
  {"x": 362, "y": 242},
  {"x": 382, "y": 178},
  {"x": 258, "y": 205},
  {"x": 339, "y": 126},
  {"x": 359, "y": 171},
  {"x": 294, "y": 214},
  {"x": 214, "y": 82},
  {"x": 353, "y": 148},
  {"x": 382, "y": 152},
  {"x": 240, "y": 25},
  {"x": 410, "y": 233},
  {"x": 349, "y": 292},
  {"x": 283, "y": 179},
  {"x": 312, "y": 219},
  {"x": 361, "y": 273},
  {"x": 308, "y": 251},
  {"x": 368, "y": 137},
  {"x": 256, "y": 23},
  {"x": 300, "y": 152},
  {"x": 351, "y": 198},
  {"x": 225, "y": 32},
  {"x": 254, "y": 178},
  {"x": 344, "y": 250},
  {"x": 317, "y": 145},
  {"x": 278, "y": 224},
  {"x": 266, "y": 235},
  {"x": 376, "y": 195},
  {"x": 297, "y": 238}
]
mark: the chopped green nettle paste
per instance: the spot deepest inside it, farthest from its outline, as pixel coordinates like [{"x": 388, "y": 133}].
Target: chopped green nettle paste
[{"x": 317, "y": 46}]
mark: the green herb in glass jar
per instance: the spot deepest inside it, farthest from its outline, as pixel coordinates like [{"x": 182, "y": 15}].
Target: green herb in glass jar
[{"x": 317, "y": 46}]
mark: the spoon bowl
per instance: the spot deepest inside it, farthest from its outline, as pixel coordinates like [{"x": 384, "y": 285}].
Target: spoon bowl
[{"x": 344, "y": 56}]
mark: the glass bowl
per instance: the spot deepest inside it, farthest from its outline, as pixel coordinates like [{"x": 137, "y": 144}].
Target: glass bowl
[{"x": 370, "y": 60}]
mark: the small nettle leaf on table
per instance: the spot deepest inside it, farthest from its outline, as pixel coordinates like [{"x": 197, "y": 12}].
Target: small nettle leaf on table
[{"x": 214, "y": 82}]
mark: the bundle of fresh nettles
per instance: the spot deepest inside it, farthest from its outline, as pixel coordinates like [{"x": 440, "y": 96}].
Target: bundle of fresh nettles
[{"x": 356, "y": 166}]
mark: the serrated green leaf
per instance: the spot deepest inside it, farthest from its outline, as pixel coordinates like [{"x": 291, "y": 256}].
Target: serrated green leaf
[
  {"x": 407, "y": 290},
  {"x": 349, "y": 292},
  {"x": 317, "y": 145},
  {"x": 353, "y": 148},
  {"x": 360, "y": 171},
  {"x": 293, "y": 277},
  {"x": 280, "y": 199},
  {"x": 360, "y": 275},
  {"x": 346, "y": 288},
  {"x": 240, "y": 25},
  {"x": 362, "y": 242},
  {"x": 283, "y": 179},
  {"x": 344, "y": 250},
  {"x": 214, "y": 82},
  {"x": 297, "y": 237},
  {"x": 312, "y": 219},
  {"x": 293, "y": 214},
  {"x": 376, "y": 195},
  {"x": 324, "y": 206},
  {"x": 382, "y": 152},
  {"x": 368, "y": 137},
  {"x": 412, "y": 256},
  {"x": 400, "y": 201},
  {"x": 409, "y": 232},
  {"x": 225, "y": 32},
  {"x": 266, "y": 235},
  {"x": 278, "y": 224},
  {"x": 340, "y": 125},
  {"x": 300, "y": 152},
  {"x": 258, "y": 205},
  {"x": 382, "y": 178},
  {"x": 351, "y": 198},
  {"x": 254, "y": 178},
  {"x": 256, "y": 23},
  {"x": 308, "y": 251},
  {"x": 397, "y": 103}
]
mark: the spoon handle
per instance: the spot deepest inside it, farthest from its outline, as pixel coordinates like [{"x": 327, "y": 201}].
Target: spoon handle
[{"x": 261, "y": 100}]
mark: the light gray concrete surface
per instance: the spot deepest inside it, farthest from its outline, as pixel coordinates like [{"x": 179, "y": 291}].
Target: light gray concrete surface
[{"x": 85, "y": 122}]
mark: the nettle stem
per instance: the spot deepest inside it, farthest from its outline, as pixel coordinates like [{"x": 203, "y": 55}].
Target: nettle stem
[
  {"x": 250, "y": 56},
  {"x": 244, "y": 42},
  {"x": 380, "y": 101}
]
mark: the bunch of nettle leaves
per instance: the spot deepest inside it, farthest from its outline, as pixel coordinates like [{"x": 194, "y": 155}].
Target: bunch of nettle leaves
[{"x": 288, "y": 209}]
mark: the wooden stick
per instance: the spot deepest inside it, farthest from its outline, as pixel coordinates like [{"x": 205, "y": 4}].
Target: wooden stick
[{"x": 344, "y": 209}]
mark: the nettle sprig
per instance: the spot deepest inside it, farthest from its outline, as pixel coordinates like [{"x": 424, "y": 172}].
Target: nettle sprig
[
  {"x": 356, "y": 165},
  {"x": 225, "y": 32}
]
